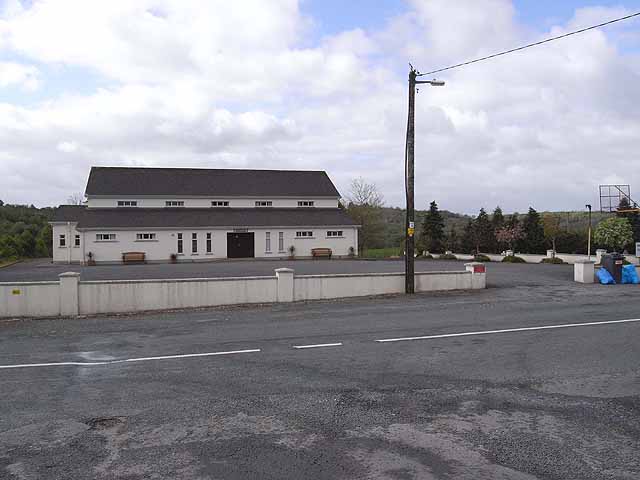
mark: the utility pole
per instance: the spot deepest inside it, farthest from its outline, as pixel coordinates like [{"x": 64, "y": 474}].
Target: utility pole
[
  {"x": 409, "y": 260},
  {"x": 589, "y": 241}
]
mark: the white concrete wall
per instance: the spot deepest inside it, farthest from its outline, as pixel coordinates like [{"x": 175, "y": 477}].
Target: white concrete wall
[
  {"x": 29, "y": 299},
  {"x": 141, "y": 295},
  {"x": 71, "y": 297},
  {"x": 535, "y": 258},
  {"x": 166, "y": 243},
  {"x": 234, "y": 202},
  {"x": 314, "y": 287}
]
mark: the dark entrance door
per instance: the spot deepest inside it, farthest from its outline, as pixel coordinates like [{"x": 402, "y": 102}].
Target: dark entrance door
[{"x": 240, "y": 245}]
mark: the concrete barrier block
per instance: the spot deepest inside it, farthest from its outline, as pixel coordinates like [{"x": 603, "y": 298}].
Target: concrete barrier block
[{"x": 584, "y": 271}]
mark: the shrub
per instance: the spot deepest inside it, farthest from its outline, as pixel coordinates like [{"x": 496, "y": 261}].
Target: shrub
[
  {"x": 447, "y": 256},
  {"x": 513, "y": 259},
  {"x": 292, "y": 251},
  {"x": 352, "y": 252},
  {"x": 479, "y": 257},
  {"x": 554, "y": 260}
]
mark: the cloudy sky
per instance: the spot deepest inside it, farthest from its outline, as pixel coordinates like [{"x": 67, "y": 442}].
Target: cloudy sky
[{"x": 315, "y": 84}]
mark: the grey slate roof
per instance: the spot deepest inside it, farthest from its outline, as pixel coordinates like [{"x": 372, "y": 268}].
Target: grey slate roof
[
  {"x": 179, "y": 182},
  {"x": 105, "y": 218},
  {"x": 68, "y": 213}
]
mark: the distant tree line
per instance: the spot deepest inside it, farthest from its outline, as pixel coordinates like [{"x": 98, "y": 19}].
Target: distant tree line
[
  {"x": 438, "y": 231},
  {"x": 24, "y": 231}
]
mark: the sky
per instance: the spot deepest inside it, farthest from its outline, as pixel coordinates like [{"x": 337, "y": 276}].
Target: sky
[{"x": 322, "y": 84}]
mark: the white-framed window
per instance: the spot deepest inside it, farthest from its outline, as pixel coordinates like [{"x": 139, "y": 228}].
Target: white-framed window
[
  {"x": 334, "y": 233},
  {"x": 267, "y": 242},
  {"x": 306, "y": 203},
  {"x": 62, "y": 241},
  {"x": 194, "y": 243},
  {"x": 127, "y": 203},
  {"x": 209, "y": 249},
  {"x": 105, "y": 237},
  {"x": 180, "y": 246},
  {"x": 280, "y": 241},
  {"x": 305, "y": 234},
  {"x": 145, "y": 236},
  {"x": 264, "y": 203},
  {"x": 77, "y": 241},
  {"x": 174, "y": 203},
  {"x": 219, "y": 203}
]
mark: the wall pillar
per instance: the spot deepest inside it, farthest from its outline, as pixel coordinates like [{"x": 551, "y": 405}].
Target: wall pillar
[
  {"x": 68, "y": 291},
  {"x": 478, "y": 274},
  {"x": 284, "y": 278},
  {"x": 584, "y": 271}
]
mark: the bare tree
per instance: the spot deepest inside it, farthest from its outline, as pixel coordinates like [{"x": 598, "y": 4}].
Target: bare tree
[
  {"x": 76, "y": 198},
  {"x": 364, "y": 205},
  {"x": 362, "y": 193}
]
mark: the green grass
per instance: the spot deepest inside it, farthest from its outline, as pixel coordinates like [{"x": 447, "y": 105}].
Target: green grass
[{"x": 381, "y": 252}]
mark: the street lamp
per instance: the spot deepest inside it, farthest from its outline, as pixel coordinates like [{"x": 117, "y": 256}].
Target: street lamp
[
  {"x": 589, "y": 241},
  {"x": 409, "y": 179}
]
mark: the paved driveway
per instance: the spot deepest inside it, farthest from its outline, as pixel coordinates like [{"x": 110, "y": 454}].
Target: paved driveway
[{"x": 499, "y": 275}]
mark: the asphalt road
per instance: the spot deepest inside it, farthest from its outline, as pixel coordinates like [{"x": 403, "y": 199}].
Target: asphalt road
[
  {"x": 499, "y": 274},
  {"x": 552, "y": 403}
]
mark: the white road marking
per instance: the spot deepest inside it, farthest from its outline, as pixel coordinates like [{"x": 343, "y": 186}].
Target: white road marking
[
  {"x": 127, "y": 360},
  {"x": 506, "y": 330},
  {"x": 319, "y": 345}
]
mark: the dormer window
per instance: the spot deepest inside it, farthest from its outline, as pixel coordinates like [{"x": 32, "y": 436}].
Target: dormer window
[
  {"x": 174, "y": 203},
  {"x": 127, "y": 203},
  {"x": 264, "y": 203},
  {"x": 306, "y": 203}
]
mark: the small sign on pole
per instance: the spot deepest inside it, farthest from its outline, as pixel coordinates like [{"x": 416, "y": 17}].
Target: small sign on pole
[{"x": 637, "y": 249}]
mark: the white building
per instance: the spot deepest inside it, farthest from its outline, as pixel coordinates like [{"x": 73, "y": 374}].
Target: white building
[{"x": 202, "y": 214}]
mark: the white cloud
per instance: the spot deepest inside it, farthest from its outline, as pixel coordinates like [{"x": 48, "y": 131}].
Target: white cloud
[
  {"x": 12, "y": 74},
  {"x": 230, "y": 84}
]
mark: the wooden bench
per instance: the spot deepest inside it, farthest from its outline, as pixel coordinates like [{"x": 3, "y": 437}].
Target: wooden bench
[
  {"x": 133, "y": 257},
  {"x": 321, "y": 252}
]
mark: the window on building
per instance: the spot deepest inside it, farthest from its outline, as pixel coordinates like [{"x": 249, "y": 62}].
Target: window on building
[
  {"x": 127, "y": 203},
  {"x": 280, "y": 241},
  {"x": 305, "y": 234},
  {"x": 174, "y": 203},
  {"x": 62, "y": 241},
  {"x": 209, "y": 242},
  {"x": 194, "y": 243},
  {"x": 306, "y": 203},
  {"x": 264, "y": 203},
  {"x": 105, "y": 237},
  {"x": 180, "y": 250},
  {"x": 77, "y": 241},
  {"x": 267, "y": 242},
  {"x": 145, "y": 236},
  {"x": 219, "y": 203},
  {"x": 334, "y": 233}
]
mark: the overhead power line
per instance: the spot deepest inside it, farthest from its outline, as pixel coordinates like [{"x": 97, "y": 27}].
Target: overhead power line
[{"x": 532, "y": 44}]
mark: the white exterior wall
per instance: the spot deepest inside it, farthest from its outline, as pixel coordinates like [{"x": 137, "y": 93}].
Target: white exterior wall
[
  {"x": 70, "y": 253},
  {"x": 140, "y": 295},
  {"x": 72, "y": 297},
  {"x": 166, "y": 243},
  {"x": 234, "y": 202},
  {"x": 32, "y": 299}
]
